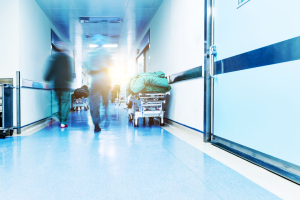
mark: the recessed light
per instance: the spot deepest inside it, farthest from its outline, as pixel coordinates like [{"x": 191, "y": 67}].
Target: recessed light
[
  {"x": 110, "y": 45},
  {"x": 93, "y": 45}
]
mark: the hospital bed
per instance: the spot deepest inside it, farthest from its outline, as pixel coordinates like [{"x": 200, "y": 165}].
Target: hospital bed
[{"x": 143, "y": 105}]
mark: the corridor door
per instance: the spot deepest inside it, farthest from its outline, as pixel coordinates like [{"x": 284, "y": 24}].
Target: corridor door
[{"x": 257, "y": 75}]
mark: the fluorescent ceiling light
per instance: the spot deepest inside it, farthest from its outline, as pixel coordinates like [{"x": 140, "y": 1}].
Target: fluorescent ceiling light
[
  {"x": 110, "y": 45},
  {"x": 93, "y": 45}
]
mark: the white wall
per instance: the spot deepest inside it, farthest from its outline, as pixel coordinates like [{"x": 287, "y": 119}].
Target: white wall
[
  {"x": 34, "y": 50},
  {"x": 176, "y": 44},
  {"x": 9, "y": 38},
  {"x": 9, "y": 41},
  {"x": 25, "y": 46}
]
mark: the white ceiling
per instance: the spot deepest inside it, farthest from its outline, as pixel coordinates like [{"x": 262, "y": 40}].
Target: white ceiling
[{"x": 136, "y": 14}]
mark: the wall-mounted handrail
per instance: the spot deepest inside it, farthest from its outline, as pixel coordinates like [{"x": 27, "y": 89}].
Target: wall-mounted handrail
[
  {"x": 25, "y": 83},
  {"x": 185, "y": 75}
]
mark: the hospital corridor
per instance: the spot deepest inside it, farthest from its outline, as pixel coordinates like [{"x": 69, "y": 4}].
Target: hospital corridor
[{"x": 149, "y": 99}]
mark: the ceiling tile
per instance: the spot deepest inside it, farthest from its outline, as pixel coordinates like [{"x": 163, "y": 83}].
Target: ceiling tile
[
  {"x": 103, "y": 28},
  {"x": 119, "y": 3},
  {"x": 59, "y": 3},
  {"x": 88, "y": 12},
  {"x": 67, "y": 20},
  {"x": 136, "y": 14},
  {"x": 41, "y": 3},
  {"x": 113, "y": 11},
  {"x": 157, "y": 3},
  {"x": 71, "y": 28},
  {"x": 85, "y": 4},
  {"x": 92, "y": 28},
  {"x": 141, "y": 3},
  {"x": 63, "y": 12}
]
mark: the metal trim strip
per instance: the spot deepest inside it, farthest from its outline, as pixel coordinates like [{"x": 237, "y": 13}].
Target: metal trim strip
[
  {"x": 283, "y": 168},
  {"x": 280, "y": 52}
]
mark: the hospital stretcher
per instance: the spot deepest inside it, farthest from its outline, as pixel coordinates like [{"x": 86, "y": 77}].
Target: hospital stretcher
[
  {"x": 78, "y": 103},
  {"x": 146, "y": 105}
]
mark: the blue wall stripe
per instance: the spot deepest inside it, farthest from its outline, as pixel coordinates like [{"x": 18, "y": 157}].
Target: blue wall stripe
[
  {"x": 284, "y": 51},
  {"x": 184, "y": 125}
]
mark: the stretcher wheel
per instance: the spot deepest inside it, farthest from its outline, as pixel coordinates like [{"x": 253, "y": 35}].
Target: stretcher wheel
[
  {"x": 161, "y": 124},
  {"x": 85, "y": 108},
  {"x": 3, "y": 135},
  {"x": 137, "y": 124},
  {"x": 11, "y": 132},
  {"x": 151, "y": 120},
  {"x": 129, "y": 118}
]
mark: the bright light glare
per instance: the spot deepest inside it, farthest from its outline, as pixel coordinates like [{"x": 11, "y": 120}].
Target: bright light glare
[
  {"x": 116, "y": 75},
  {"x": 110, "y": 45},
  {"x": 93, "y": 45}
]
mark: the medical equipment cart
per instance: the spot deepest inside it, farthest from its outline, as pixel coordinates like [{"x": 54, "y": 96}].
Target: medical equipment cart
[{"x": 6, "y": 109}]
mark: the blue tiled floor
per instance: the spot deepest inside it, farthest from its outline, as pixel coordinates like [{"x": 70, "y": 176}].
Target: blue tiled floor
[{"x": 122, "y": 162}]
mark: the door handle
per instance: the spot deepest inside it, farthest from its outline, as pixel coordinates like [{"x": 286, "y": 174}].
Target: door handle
[{"x": 213, "y": 54}]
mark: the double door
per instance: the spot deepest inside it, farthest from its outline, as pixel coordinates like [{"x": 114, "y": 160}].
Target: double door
[{"x": 256, "y": 95}]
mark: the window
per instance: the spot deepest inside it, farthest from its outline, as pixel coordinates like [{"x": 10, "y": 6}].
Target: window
[
  {"x": 241, "y": 2},
  {"x": 141, "y": 63}
]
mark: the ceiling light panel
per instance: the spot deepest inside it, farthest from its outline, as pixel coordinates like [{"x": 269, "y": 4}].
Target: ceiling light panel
[
  {"x": 107, "y": 35},
  {"x": 110, "y": 45},
  {"x": 96, "y": 20}
]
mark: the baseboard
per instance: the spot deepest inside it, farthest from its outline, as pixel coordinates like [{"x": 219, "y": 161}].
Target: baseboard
[
  {"x": 280, "y": 167},
  {"x": 170, "y": 120}
]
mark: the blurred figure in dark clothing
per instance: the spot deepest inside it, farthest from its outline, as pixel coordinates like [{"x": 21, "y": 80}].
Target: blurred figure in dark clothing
[
  {"x": 60, "y": 72},
  {"x": 98, "y": 63}
]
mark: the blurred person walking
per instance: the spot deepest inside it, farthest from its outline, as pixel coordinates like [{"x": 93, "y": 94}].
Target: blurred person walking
[
  {"x": 99, "y": 62},
  {"x": 60, "y": 73}
]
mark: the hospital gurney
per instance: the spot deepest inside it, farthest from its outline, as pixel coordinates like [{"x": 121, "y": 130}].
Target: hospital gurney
[
  {"x": 79, "y": 103},
  {"x": 144, "y": 105}
]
